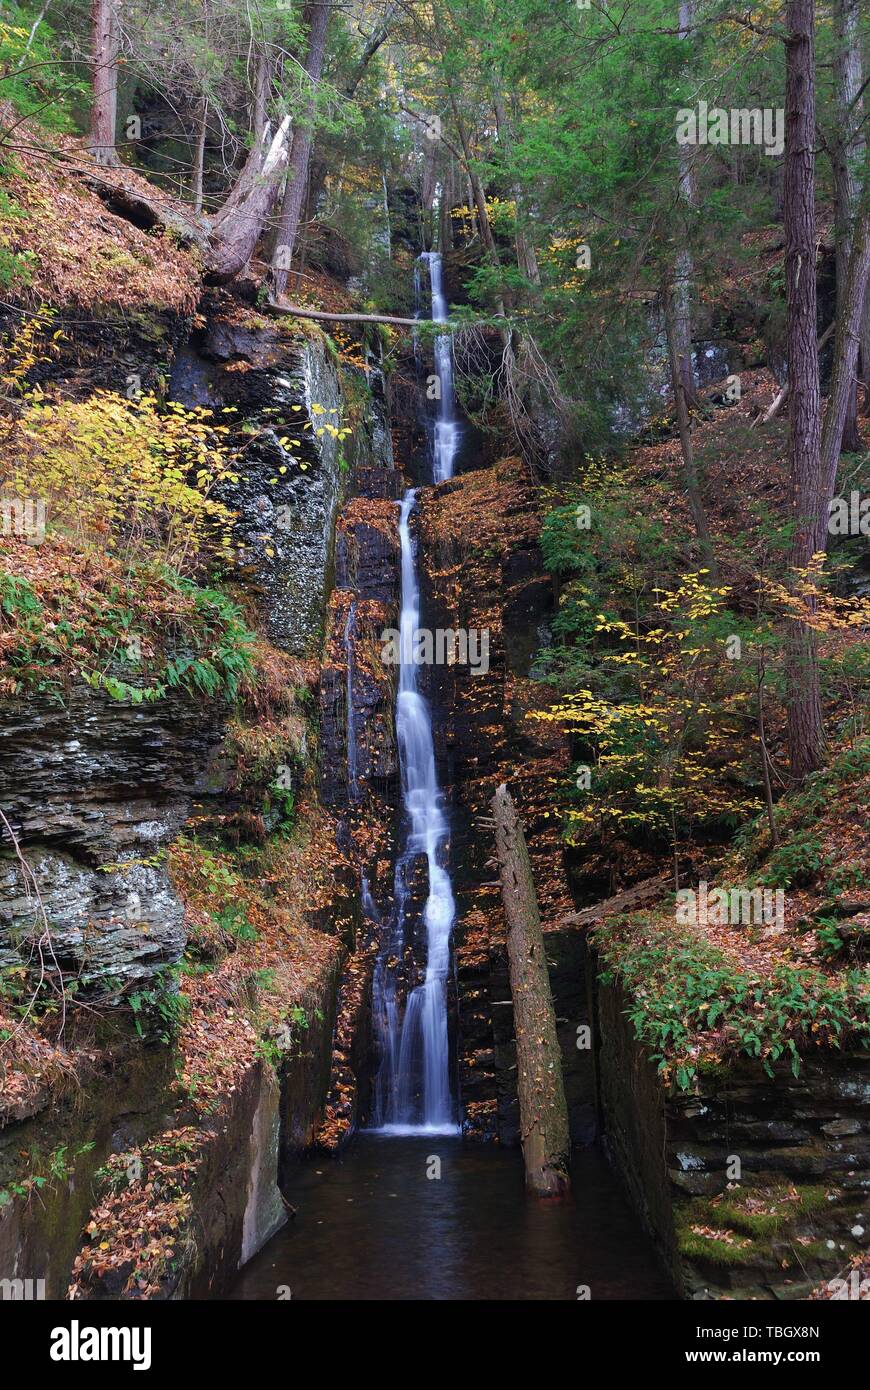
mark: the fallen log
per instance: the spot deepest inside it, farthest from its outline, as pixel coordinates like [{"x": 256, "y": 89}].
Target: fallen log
[
  {"x": 649, "y": 890},
  {"x": 300, "y": 312},
  {"x": 540, "y": 1090},
  {"x": 226, "y": 240},
  {"x": 238, "y": 225}
]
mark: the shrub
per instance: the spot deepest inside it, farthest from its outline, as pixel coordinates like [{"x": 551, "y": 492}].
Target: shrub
[
  {"x": 794, "y": 864},
  {"x": 128, "y": 476},
  {"x": 692, "y": 1006}
]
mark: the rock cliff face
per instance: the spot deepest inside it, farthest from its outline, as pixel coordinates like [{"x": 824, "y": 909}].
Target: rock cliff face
[
  {"x": 283, "y": 390},
  {"x": 215, "y": 1182},
  {"x": 96, "y": 789},
  {"x": 359, "y": 764},
  {"x": 92, "y": 788},
  {"x": 357, "y": 690}
]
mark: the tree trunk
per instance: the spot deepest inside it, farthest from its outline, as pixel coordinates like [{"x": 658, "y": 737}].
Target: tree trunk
[
  {"x": 262, "y": 92},
  {"x": 805, "y": 727},
  {"x": 228, "y": 239},
  {"x": 527, "y": 261},
  {"x": 317, "y": 13},
  {"x": 300, "y": 312},
  {"x": 543, "y": 1111},
  {"x": 375, "y": 40},
  {"x": 378, "y": 36},
  {"x": 684, "y": 266},
  {"x": 199, "y": 160},
  {"x": 104, "y": 78},
  {"x": 246, "y": 182},
  {"x": 765, "y": 760},
  {"x": 448, "y": 202},
  {"x": 848, "y": 158},
  {"x": 238, "y": 225},
  {"x": 478, "y": 193},
  {"x": 842, "y": 393},
  {"x": 865, "y": 352}
]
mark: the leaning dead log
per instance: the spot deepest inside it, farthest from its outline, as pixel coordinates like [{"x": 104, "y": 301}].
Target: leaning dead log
[
  {"x": 237, "y": 229},
  {"x": 782, "y": 395},
  {"x": 246, "y": 180},
  {"x": 227, "y": 240},
  {"x": 541, "y": 1094}
]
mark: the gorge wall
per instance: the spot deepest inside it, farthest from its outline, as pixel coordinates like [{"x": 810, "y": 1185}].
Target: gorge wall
[{"x": 97, "y": 791}]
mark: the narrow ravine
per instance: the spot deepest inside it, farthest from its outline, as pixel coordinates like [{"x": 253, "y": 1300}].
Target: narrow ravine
[
  {"x": 386, "y": 1222},
  {"x": 435, "y": 668},
  {"x": 410, "y": 1208},
  {"x": 412, "y": 1086}
]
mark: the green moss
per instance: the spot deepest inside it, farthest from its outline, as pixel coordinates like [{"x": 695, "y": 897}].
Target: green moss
[
  {"x": 292, "y": 327},
  {"x": 118, "y": 258},
  {"x": 782, "y": 1208},
  {"x": 696, "y": 1247},
  {"x": 812, "y": 1198},
  {"x": 756, "y": 1236},
  {"x": 751, "y": 1223}
]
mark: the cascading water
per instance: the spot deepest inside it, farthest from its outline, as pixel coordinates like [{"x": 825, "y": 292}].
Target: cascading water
[
  {"x": 446, "y": 424},
  {"x": 412, "y": 1087}
]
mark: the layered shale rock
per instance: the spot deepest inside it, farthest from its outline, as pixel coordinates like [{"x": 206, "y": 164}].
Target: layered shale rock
[
  {"x": 93, "y": 790},
  {"x": 755, "y": 1185},
  {"x": 281, "y": 391},
  {"x": 359, "y": 765}
]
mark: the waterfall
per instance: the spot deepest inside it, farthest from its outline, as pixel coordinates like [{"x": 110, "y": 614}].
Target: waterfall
[
  {"x": 446, "y": 424},
  {"x": 412, "y": 1087}
]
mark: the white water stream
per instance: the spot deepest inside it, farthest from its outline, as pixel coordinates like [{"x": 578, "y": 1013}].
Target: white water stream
[{"x": 412, "y": 1087}]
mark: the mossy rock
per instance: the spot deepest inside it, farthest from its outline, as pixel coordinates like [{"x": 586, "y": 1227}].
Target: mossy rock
[{"x": 751, "y": 1223}]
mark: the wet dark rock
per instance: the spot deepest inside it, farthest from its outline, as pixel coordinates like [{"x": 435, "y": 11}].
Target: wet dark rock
[
  {"x": 379, "y": 483},
  {"x": 855, "y": 929},
  {"x": 367, "y": 560},
  {"x": 287, "y": 493},
  {"x": 850, "y": 904},
  {"x": 368, "y": 576},
  {"x": 837, "y": 1129},
  {"x": 374, "y": 735}
]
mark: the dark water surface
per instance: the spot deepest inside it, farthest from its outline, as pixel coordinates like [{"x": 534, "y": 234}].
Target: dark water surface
[{"x": 371, "y": 1225}]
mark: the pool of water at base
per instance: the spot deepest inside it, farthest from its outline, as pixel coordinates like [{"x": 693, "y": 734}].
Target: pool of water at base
[{"x": 373, "y": 1224}]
